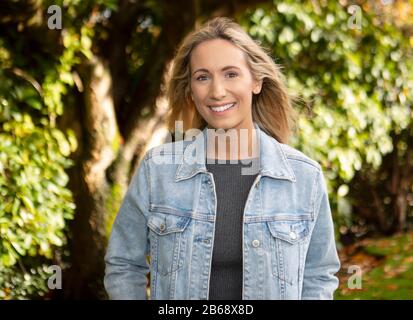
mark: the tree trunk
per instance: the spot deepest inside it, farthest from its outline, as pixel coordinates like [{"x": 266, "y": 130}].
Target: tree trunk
[{"x": 88, "y": 182}]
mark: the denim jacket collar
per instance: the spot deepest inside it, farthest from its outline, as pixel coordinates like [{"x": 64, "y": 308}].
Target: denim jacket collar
[{"x": 273, "y": 161}]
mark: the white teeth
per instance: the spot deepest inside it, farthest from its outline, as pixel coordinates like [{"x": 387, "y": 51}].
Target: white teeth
[{"x": 222, "y": 108}]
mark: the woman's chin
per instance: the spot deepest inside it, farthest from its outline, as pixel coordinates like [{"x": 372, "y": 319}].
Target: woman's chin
[{"x": 224, "y": 124}]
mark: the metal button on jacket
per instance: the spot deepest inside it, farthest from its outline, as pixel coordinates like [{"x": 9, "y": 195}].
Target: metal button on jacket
[{"x": 255, "y": 243}]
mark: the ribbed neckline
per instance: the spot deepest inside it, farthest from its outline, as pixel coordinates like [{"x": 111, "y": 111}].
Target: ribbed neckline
[{"x": 212, "y": 161}]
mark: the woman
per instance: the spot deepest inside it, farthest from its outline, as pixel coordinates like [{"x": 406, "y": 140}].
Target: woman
[{"x": 247, "y": 220}]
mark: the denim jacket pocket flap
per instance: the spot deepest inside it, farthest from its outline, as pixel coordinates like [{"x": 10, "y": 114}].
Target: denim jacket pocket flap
[
  {"x": 163, "y": 223},
  {"x": 290, "y": 231}
]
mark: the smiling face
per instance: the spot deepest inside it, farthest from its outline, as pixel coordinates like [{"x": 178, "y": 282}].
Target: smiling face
[{"x": 222, "y": 85}]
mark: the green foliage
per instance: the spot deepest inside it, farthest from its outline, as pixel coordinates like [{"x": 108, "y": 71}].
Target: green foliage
[
  {"x": 359, "y": 84},
  {"x": 33, "y": 184},
  {"x": 34, "y": 153},
  {"x": 24, "y": 284}
]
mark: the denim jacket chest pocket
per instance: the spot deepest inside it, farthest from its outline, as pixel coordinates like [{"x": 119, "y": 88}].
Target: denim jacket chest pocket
[
  {"x": 167, "y": 244},
  {"x": 287, "y": 245}
]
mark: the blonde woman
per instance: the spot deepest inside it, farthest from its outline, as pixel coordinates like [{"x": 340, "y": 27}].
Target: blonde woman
[{"x": 247, "y": 217}]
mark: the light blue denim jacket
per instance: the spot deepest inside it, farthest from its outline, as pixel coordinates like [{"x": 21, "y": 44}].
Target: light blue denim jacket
[{"x": 169, "y": 210}]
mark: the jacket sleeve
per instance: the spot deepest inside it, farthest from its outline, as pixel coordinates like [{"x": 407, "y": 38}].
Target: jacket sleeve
[
  {"x": 322, "y": 260},
  {"x": 126, "y": 265}
]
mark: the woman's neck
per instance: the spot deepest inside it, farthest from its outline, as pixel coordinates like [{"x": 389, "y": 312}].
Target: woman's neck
[{"x": 232, "y": 144}]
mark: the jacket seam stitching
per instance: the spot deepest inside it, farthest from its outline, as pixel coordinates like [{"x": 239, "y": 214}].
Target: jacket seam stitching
[
  {"x": 149, "y": 185},
  {"x": 290, "y": 157},
  {"x": 315, "y": 194}
]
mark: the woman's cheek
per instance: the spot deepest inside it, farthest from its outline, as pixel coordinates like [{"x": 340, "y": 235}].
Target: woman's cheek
[{"x": 199, "y": 93}]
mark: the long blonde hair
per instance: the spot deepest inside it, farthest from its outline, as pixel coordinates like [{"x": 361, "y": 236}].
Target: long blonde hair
[{"x": 271, "y": 108}]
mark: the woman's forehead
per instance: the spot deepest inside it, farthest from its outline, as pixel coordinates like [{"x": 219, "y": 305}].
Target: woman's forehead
[{"x": 217, "y": 54}]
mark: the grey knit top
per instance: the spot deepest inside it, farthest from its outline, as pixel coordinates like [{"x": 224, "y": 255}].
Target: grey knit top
[{"x": 232, "y": 187}]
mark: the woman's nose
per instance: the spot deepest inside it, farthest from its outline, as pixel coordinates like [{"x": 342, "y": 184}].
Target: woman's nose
[{"x": 217, "y": 90}]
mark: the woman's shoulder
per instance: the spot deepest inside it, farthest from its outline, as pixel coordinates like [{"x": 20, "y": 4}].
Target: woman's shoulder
[
  {"x": 168, "y": 150},
  {"x": 294, "y": 155}
]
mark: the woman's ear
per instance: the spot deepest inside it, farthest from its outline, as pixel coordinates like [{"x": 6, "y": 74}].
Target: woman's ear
[{"x": 257, "y": 87}]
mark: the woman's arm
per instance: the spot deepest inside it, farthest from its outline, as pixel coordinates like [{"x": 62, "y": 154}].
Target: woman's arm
[
  {"x": 126, "y": 265},
  {"x": 322, "y": 260}
]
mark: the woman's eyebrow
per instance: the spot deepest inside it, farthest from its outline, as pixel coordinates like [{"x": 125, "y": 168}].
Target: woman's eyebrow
[{"x": 223, "y": 69}]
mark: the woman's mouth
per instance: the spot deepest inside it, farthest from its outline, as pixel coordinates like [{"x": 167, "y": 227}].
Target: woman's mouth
[{"x": 223, "y": 108}]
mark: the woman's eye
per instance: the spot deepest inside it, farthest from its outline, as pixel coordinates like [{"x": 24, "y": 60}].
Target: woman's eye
[
  {"x": 232, "y": 74},
  {"x": 201, "y": 78}
]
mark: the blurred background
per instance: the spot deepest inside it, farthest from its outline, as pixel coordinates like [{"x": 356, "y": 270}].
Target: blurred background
[{"x": 82, "y": 88}]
